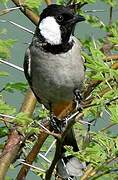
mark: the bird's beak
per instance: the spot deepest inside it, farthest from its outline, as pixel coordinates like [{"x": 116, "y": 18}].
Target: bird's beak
[{"x": 77, "y": 18}]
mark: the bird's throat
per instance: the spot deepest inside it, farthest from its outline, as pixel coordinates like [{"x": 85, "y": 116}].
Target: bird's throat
[{"x": 57, "y": 49}]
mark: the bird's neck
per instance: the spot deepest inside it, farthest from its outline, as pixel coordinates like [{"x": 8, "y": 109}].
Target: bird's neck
[
  {"x": 54, "y": 49},
  {"x": 57, "y": 49}
]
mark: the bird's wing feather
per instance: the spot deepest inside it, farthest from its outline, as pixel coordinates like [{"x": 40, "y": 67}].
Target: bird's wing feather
[{"x": 27, "y": 71}]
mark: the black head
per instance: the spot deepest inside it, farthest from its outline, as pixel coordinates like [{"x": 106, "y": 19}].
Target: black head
[{"x": 57, "y": 22}]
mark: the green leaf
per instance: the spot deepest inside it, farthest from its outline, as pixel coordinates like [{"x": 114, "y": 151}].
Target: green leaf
[
  {"x": 114, "y": 113},
  {"x": 4, "y": 2},
  {"x": 5, "y": 46},
  {"x": 34, "y": 5},
  {"x": 32, "y": 130},
  {"x": 113, "y": 40},
  {"x": 3, "y": 131},
  {"x": 77, "y": 1},
  {"x": 3, "y": 31},
  {"x": 22, "y": 119},
  {"x": 94, "y": 154},
  {"x": 6, "y": 109},
  {"x": 98, "y": 77},
  {"x": 20, "y": 86},
  {"x": 43, "y": 113},
  {"x": 3, "y": 73},
  {"x": 87, "y": 1},
  {"x": 7, "y": 178},
  {"x": 95, "y": 21},
  {"x": 99, "y": 150},
  {"x": 112, "y": 3}
]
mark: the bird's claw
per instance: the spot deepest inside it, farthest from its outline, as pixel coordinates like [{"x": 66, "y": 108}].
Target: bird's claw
[
  {"x": 78, "y": 98},
  {"x": 56, "y": 124}
]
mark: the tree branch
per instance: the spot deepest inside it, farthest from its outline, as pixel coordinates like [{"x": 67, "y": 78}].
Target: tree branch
[
  {"x": 33, "y": 154},
  {"x": 15, "y": 140},
  {"x": 59, "y": 145},
  {"x": 27, "y": 106},
  {"x": 5, "y": 11},
  {"x": 10, "y": 151},
  {"x": 112, "y": 57},
  {"x": 27, "y": 12}
]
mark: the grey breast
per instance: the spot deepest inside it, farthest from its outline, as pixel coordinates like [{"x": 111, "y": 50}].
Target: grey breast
[{"x": 54, "y": 77}]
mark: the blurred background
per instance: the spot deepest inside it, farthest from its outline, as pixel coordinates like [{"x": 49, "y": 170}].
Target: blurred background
[{"x": 83, "y": 30}]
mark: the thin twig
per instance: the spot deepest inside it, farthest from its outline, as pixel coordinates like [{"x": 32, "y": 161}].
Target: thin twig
[
  {"x": 48, "y": 2},
  {"x": 31, "y": 156},
  {"x": 5, "y": 11},
  {"x": 27, "y": 12},
  {"x": 50, "y": 148},
  {"x": 108, "y": 162},
  {"x": 7, "y": 116},
  {"x": 107, "y": 127},
  {"x": 43, "y": 127},
  {"x": 11, "y": 65},
  {"x": 94, "y": 10},
  {"x": 111, "y": 57},
  {"x": 110, "y": 15},
  {"x": 43, "y": 156},
  {"x": 17, "y": 25},
  {"x": 59, "y": 144},
  {"x": 34, "y": 167},
  {"x": 115, "y": 65},
  {"x": 90, "y": 170}
]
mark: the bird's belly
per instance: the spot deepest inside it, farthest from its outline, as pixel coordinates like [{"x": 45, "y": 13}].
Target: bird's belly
[
  {"x": 54, "y": 77},
  {"x": 55, "y": 84}
]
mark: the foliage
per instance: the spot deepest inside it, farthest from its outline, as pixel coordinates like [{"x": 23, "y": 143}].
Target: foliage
[
  {"x": 78, "y": 1},
  {"x": 34, "y": 5},
  {"x": 6, "y": 109},
  {"x": 4, "y": 2},
  {"x": 5, "y": 46},
  {"x": 3, "y": 73},
  {"x": 19, "y": 86},
  {"x": 98, "y": 148}
]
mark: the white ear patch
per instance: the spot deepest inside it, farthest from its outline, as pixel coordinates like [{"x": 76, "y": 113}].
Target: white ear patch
[{"x": 50, "y": 30}]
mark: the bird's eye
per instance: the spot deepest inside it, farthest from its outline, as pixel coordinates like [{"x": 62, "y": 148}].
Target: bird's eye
[{"x": 59, "y": 18}]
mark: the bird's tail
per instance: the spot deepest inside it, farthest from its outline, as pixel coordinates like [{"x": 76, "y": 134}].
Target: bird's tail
[{"x": 69, "y": 166}]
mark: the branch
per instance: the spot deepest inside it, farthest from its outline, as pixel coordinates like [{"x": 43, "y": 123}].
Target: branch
[
  {"x": 15, "y": 140},
  {"x": 110, "y": 15},
  {"x": 29, "y": 108},
  {"x": 29, "y": 103},
  {"x": 10, "y": 151},
  {"x": 32, "y": 154},
  {"x": 5, "y": 11},
  {"x": 17, "y": 25},
  {"x": 27, "y": 12},
  {"x": 115, "y": 65},
  {"x": 59, "y": 144},
  {"x": 12, "y": 65},
  {"x": 112, "y": 57},
  {"x": 26, "y": 108},
  {"x": 106, "y": 49},
  {"x": 48, "y": 2},
  {"x": 89, "y": 172}
]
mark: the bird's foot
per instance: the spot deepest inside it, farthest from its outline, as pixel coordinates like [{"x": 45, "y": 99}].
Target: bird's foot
[
  {"x": 78, "y": 98},
  {"x": 56, "y": 124}
]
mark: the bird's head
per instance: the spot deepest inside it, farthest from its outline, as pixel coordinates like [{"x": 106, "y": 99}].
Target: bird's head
[{"x": 56, "y": 24}]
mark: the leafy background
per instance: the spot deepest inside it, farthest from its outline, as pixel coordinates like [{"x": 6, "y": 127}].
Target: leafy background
[{"x": 99, "y": 146}]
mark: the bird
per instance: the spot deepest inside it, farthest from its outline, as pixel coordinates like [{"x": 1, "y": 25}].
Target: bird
[{"x": 53, "y": 65}]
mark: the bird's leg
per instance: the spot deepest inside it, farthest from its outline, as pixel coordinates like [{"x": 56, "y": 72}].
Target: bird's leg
[
  {"x": 59, "y": 125},
  {"x": 78, "y": 99},
  {"x": 56, "y": 123}
]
